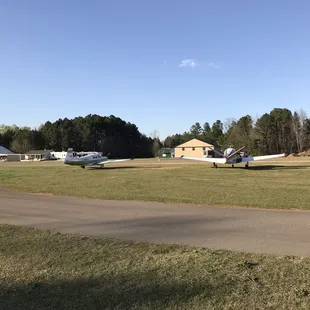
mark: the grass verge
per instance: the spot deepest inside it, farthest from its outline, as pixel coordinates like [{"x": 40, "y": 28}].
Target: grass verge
[
  {"x": 45, "y": 270},
  {"x": 283, "y": 185}
]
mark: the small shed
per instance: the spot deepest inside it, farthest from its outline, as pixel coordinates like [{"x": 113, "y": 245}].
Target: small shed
[{"x": 166, "y": 152}]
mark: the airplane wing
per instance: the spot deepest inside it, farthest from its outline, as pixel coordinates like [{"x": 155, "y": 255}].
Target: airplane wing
[
  {"x": 255, "y": 158},
  {"x": 207, "y": 159},
  {"x": 109, "y": 161}
]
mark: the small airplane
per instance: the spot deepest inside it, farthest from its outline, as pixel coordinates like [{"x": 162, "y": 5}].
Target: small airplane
[
  {"x": 93, "y": 159},
  {"x": 233, "y": 156}
]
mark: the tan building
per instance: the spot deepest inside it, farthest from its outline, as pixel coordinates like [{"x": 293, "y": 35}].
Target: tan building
[{"x": 195, "y": 148}]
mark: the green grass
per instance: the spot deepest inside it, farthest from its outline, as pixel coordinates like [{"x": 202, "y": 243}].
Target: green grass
[
  {"x": 44, "y": 270},
  {"x": 282, "y": 185}
]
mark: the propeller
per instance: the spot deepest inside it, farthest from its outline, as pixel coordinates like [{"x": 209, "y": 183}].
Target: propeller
[{"x": 235, "y": 153}]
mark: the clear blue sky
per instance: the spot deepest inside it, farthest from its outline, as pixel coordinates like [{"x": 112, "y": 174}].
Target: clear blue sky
[{"x": 161, "y": 64}]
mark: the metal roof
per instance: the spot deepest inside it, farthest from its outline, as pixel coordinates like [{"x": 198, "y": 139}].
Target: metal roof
[{"x": 4, "y": 151}]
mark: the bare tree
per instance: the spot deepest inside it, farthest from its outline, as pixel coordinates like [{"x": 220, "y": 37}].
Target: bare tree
[
  {"x": 156, "y": 142},
  {"x": 21, "y": 145},
  {"x": 228, "y": 124},
  {"x": 304, "y": 135},
  {"x": 22, "y": 141}
]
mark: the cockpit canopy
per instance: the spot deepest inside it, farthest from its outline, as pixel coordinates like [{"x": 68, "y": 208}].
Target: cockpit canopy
[{"x": 229, "y": 151}]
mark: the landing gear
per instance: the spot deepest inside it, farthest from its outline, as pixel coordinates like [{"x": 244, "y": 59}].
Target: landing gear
[
  {"x": 83, "y": 167},
  {"x": 246, "y": 166},
  {"x": 101, "y": 166},
  {"x": 233, "y": 166},
  {"x": 214, "y": 165}
]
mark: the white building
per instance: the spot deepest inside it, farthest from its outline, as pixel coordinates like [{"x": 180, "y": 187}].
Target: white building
[
  {"x": 38, "y": 155},
  {"x": 58, "y": 155},
  {"x": 62, "y": 155}
]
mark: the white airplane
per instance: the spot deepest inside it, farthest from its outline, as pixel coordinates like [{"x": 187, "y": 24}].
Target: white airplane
[
  {"x": 232, "y": 156},
  {"x": 89, "y": 160}
]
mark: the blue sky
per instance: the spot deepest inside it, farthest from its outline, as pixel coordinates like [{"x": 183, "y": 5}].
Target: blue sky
[{"x": 159, "y": 64}]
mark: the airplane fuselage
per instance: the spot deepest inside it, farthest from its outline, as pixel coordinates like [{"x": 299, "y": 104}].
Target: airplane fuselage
[
  {"x": 234, "y": 160},
  {"x": 94, "y": 159},
  {"x": 239, "y": 158},
  {"x": 85, "y": 160}
]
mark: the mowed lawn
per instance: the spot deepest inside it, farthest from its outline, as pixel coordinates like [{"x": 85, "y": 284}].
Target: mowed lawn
[
  {"x": 44, "y": 270},
  {"x": 283, "y": 183}
]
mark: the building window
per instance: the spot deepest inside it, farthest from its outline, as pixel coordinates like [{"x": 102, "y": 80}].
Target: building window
[
  {"x": 193, "y": 149},
  {"x": 204, "y": 148},
  {"x": 183, "y": 148}
]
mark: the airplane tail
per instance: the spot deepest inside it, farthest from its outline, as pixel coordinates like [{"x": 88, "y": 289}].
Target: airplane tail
[{"x": 69, "y": 155}]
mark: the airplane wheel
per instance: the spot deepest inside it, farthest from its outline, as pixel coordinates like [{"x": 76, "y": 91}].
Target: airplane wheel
[
  {"x": 247, "y": 166},
  {"x": 83, "y": 167},
  {"x": 233, "y": 166}
]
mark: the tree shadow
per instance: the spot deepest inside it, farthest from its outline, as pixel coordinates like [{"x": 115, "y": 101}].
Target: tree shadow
[
  {"x": 163, "y": 229},
  {"x": 268, "y": 167},
  {"x": 152, "y": 289},
  {"x": 114, "y": 167},
  {"x": 166, "y": 229},
  {"x": 127, "y": 167},
  {"x": 278, "y": 167}
]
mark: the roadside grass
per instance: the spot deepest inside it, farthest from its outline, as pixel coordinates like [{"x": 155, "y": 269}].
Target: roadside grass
[
  {"x": 46, "y": 270},
  {"x": 282, "y": 184}
]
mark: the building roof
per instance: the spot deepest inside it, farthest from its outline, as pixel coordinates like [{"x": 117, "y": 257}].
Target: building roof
[
  {"x": 38, "y": 152},
  {"x": 195, "y": 143},
  {"x": 5, "y": 151}
]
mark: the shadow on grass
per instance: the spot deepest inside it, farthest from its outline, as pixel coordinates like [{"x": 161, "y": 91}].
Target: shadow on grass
[
  {"x": 277, "y": 167},
  {"x": 126, "y": 167},
  {"x": 268, "y": 167},
  {"x": 113, "y": 167},
  {"x": 127, "y": 291}
]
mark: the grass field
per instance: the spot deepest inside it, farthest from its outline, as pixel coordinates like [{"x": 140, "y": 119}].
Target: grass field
[
  {"x": 43, "y": 270},
  {"x": 283, "y": 183}
]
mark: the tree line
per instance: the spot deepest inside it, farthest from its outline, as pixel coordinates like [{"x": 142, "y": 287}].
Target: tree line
[
  {"x": 108, "y": 134},
  {"x": 279, "y": 131}
]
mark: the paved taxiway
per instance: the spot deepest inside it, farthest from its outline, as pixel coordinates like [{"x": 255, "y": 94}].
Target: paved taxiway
[{"x": 250, "y": 230}]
